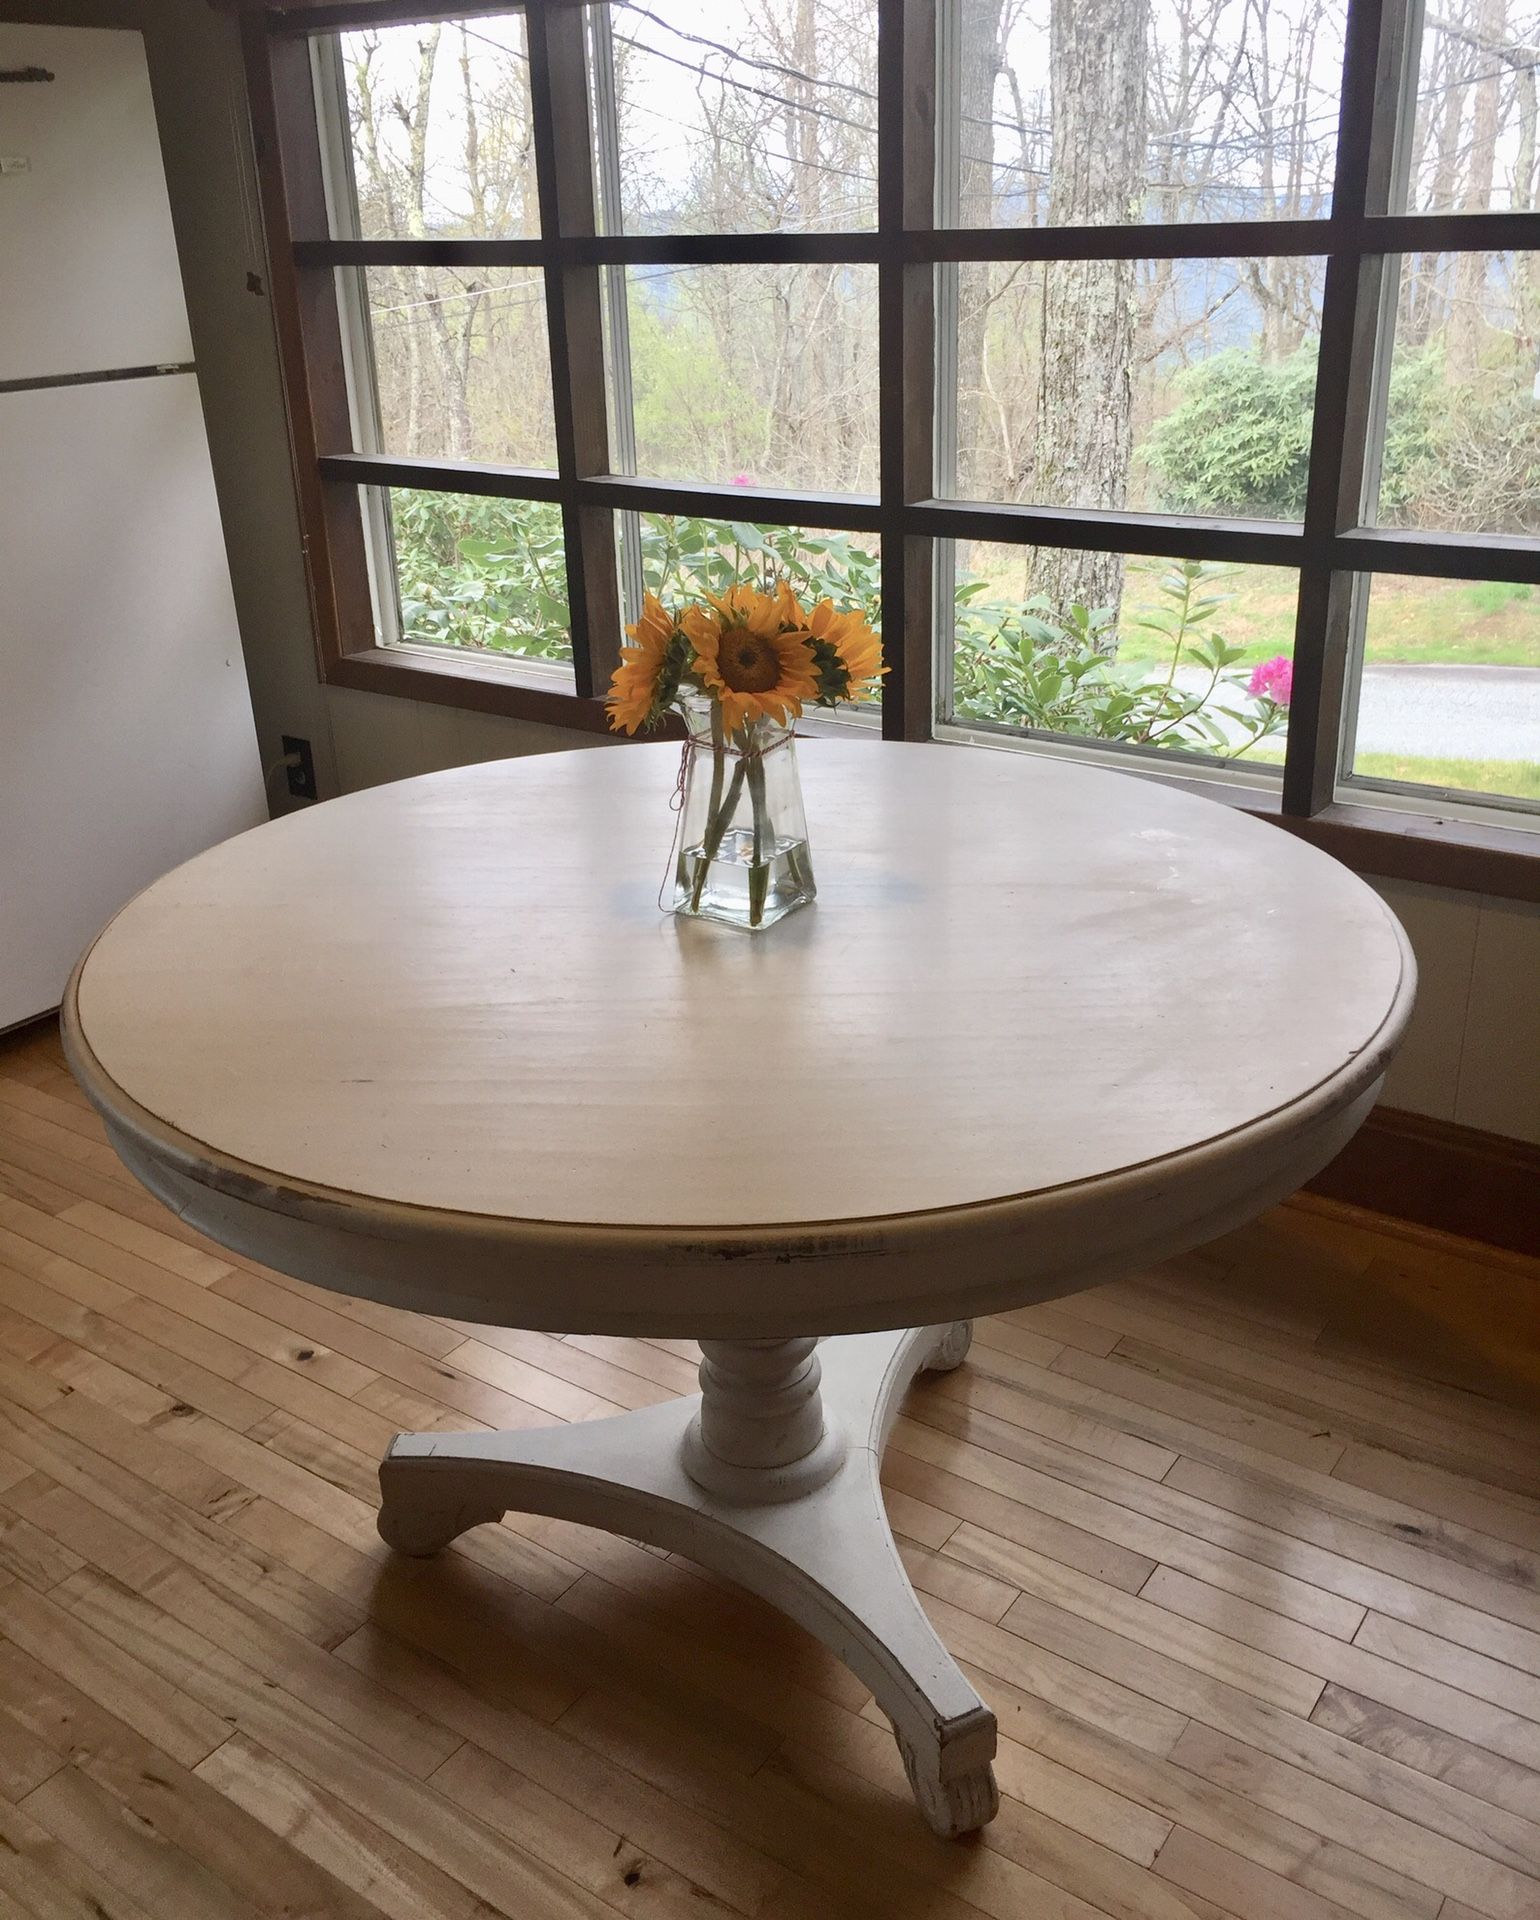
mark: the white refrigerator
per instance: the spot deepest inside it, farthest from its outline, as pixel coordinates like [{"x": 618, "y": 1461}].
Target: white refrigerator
[{"x": 126, "y": 736}]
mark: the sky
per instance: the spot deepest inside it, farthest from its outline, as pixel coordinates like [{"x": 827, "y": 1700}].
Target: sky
[{"x": 671, "y": 42}]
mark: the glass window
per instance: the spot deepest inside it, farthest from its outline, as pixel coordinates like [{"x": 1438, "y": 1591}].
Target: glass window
[
  {"x": 1462, "y": 407},
  {"x": 1449, "y": 689},
  {"x": 477, "y": 574},
  {"x": 731, "y": 116},
  {"x": 439, "y": 140},
  {"x": 754, "y": 376},
  {"x": 1181, "y": 386},
  {"x": 1470, "y": 144},
  {"x": 682, "y": 556},
  {"x": 1183, "y": 656},
  {"x": 462, "y": 365},
  {"x": 1149, "y": 387},
  {"x": 1102, "y": 113}
]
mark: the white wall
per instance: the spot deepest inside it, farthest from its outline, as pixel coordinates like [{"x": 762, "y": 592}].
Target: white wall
[
  {"x": 1473, "y": 1054},
  {"x": 376, "y": 737}
]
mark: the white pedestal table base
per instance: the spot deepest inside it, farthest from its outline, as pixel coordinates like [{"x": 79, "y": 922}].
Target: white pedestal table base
[{"x": 769, "y": 1476}]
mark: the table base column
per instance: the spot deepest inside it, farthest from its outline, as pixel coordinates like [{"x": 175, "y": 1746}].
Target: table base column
[{"x": 769, "y": 1477}]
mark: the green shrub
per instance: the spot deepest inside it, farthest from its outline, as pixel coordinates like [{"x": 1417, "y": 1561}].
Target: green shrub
[
  {"x": 1020, "y": 664},
  {"x": 1238, "y": 442},
  {"x": 489, "y": 573},
  {"x": 1484, "y": 475},
  {"x": 481, "y": 573}
]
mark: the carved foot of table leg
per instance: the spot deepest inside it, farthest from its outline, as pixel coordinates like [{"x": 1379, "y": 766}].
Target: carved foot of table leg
[
  {"x": 952, "y": 1806},
  {"x": 815, "y": 1544},
  {"x": 416, "y": 1517},
  {"x": 952, "y": 1349}
]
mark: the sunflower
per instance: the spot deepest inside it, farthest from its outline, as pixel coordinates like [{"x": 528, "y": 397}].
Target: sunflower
[
  {"x": 640, "y": 686},
  {"x": 752, "y": 655},
  {"x": 848, "y": 649}
]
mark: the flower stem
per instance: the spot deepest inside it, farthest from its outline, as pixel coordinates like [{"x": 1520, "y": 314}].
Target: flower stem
[
  {"x": 720, "y": 809},
  {"x": 759, "y": 874}
]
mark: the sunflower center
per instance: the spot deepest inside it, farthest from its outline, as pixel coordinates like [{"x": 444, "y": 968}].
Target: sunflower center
[{"x": 746, "y": 663}]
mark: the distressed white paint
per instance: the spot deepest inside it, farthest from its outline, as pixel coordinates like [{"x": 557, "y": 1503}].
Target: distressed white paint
[
  {"x": 823, "y": 1554},
  {"x": 970, "y": 1082}
]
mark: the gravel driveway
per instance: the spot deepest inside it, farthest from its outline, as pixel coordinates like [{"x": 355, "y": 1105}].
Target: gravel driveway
[
  {"x": 1460, "y": 713},
  {"x": 1456, "y": 712}
]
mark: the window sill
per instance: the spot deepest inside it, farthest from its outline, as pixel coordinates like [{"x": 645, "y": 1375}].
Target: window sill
[
  {"x": 1501, "y": 861},
  {"x": 483, "y": 686},
  {"x": 1464, "y": 855}
]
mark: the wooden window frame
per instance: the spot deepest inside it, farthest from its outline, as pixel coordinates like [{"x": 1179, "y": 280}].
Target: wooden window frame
[{"x": 1329, "y": 549}]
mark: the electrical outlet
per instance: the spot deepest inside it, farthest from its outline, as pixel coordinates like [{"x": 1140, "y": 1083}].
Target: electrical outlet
[{"x": 302, "y": 771}]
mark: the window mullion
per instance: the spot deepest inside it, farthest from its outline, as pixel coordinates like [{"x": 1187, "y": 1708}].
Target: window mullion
[
  {"x": 617, "y": 310},
  {"x": 906, "y": 91},
  {"x": 1323, "y": 631},
  {"x": 283, "y": 105},
  {"x": 947, "y": 295},
  {"x": 558, "y": 86}
]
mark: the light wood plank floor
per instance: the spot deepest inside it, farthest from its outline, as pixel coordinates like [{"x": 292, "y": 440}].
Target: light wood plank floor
[{"x": 1245, "y": 1551}]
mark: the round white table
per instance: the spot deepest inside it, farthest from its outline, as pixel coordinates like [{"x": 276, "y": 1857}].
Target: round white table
[{"x": 434, "y": 1044}]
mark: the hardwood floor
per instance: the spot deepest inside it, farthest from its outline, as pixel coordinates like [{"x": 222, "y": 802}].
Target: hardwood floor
[{"x": 1244, "y": 1550}]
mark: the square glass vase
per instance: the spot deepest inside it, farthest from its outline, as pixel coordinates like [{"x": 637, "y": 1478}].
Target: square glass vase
[{"x": 743, "y": 854}]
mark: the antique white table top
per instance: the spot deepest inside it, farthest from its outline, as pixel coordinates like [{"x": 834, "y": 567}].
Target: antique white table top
[
  {"x": 435, "y": 1044},
  {"x": 1033, "y": 999}
]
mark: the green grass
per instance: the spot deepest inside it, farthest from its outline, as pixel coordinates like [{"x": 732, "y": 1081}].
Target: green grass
[
  {"x": 1512, "y": 779},
  {"x": 1411, "y": 621}
]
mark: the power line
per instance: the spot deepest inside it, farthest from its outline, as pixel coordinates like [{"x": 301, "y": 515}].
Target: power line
[
  {"x": 747, "y": 59},
  {"x": 1039, "y": 129},
  {"x": 1039, "y": 172}
]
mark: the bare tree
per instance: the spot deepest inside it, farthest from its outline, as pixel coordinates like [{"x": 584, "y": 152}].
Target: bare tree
[
  {"x": 1085, "y": 399},
  {"x": 1462, "y": 352}
]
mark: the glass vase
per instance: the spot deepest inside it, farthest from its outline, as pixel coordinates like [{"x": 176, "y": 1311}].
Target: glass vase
[{"x": 743, "y": 853}]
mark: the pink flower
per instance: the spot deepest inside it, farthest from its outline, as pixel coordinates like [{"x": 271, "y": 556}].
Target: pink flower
[
  {"x": 742, "y": 480},
  {"x": 1273, "y": 680}
]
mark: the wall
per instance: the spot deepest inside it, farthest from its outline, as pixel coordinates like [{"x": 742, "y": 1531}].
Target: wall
[{"x": 1473, "y": 1054}]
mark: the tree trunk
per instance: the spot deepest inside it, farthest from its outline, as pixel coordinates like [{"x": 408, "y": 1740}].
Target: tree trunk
[
  {"x": 818, "y": 431},
  {"x": 979, "y": 61},
  {"x": 1463, "y": 350},
  {"x": 1085, "y": 396}
]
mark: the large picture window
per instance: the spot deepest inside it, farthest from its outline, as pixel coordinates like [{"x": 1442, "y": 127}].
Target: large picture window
[{"x": 1164, "y": 373}]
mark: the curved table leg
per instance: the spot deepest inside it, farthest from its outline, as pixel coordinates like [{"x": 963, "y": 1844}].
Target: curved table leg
[{"x": 793, "y": 1511}]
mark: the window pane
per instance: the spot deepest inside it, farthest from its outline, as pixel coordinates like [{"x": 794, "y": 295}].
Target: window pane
[
  {"x": 1108, "y": 111},
  {"x": 1152, "y": 654},
  {"x": 1472, "y": 137},
  {"x": 682, "y": 557},
  {"x": 1449, "y": 694},
  {"x": 738, "y": 116},
  {"x": 1182, "y": 386},
  {"x": 439, "y": 130},
  {"x": 483, "y": 574},
  {"x": 754, "y": 376},
  {"x": 462, "y": 363},
  {"x": 1462, "y": 414}
]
